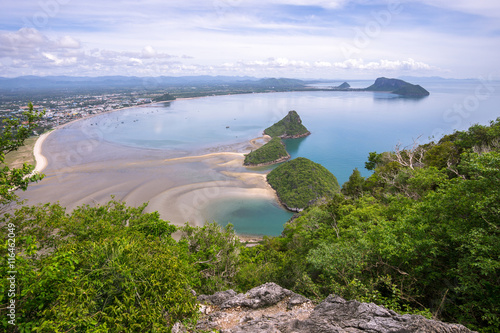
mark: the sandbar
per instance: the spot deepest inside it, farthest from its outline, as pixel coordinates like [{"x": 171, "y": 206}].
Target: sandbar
[{"x": 80, "y": 171}]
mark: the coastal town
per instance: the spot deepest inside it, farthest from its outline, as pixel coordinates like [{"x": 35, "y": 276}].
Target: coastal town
[{"x": 61, "y": 110}]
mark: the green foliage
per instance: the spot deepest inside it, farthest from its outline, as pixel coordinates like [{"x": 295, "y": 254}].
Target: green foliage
[
  {"x": 270, "y": 152},
  {"x": 354, "y": 186},
  {"x": 164, "y": 97},
  {"x": 300, "y": 181},
  {"x": 288, "y": 127},
  {"x": 214, "y": 252},
  {"x": 14, "y": 132},
  {"x": 132, "y": 284},
  {"x": 441, "y": 155},
  {"x": 374, "y": 160},
  {"x": 422, "y": 240},
  {"x": 108, "y": 268}
]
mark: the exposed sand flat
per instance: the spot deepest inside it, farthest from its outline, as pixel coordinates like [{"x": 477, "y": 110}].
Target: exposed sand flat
[
  {"x": 201, "y": 157},
  {"x": 177, "y": 187},
  {"x": 185, "y": 203}
]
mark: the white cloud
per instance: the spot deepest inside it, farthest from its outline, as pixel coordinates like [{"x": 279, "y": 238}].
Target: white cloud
[
  {"x": 68, "y": 42},
  {"x": 154, "y": 37},
  {"x": 385, "y": 65},
  {"x": 14, "y": 44},
  {"x": 276, "y": 63},
  {"x": 320, "y": 64},
  {"x": 68, "y": 61},
  {"x": 148, "y": 52}
]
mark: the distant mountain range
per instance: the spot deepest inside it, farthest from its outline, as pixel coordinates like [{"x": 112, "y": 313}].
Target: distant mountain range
[
  {"x": 62, "y": 84},
  {"x": 67, "y": 82}
]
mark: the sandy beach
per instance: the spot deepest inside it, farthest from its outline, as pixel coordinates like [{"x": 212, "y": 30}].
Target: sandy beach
[
  {"x": 41, "y": 161},
  {"x": 81, "y": 170}
]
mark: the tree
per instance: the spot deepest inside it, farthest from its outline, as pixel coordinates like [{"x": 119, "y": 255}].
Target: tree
[
  {"x": 409, "y": 157},
  {"x": 109, "y": 268},
  {"x": 354, "y": 186},
  {"x": 214, "y": 252},
  {"x": 13, "y": 134}
]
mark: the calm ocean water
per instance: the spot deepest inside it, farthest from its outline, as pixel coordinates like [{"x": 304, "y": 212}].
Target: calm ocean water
[{"x": 345, "y": 127}]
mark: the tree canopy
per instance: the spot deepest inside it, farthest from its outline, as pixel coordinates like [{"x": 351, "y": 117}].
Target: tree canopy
[
  {"x": 300, "y": 181},
  {"x": 289, "y": 127},
  {"x": 272, "y": 152}
]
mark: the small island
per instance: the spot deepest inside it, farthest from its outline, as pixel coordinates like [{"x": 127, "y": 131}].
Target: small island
[
  {"x": 398, "y": 87},
  {"x": 344, "y": 86},
  {"x": 272, "y": 152},
  {"x": 300, "y": 182},
  {"x": 290, "y": 127}
]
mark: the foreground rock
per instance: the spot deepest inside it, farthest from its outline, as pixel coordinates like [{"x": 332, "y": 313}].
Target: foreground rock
[{"x": 270, "y": 308}]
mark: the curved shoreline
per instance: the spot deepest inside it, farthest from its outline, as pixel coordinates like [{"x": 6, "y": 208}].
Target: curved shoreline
[
  {"x": 40, "y": 159},
  {"x": 178, "y": 199}
]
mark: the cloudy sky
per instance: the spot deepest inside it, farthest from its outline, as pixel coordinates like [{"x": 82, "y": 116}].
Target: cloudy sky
[{"x": 336, "y": 39}]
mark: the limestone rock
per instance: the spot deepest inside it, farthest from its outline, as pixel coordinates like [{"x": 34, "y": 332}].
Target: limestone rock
[{"x": 270, "y": 308}]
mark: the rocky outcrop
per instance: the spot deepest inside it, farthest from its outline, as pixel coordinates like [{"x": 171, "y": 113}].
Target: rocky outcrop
[{"x": 270, "y": 308}]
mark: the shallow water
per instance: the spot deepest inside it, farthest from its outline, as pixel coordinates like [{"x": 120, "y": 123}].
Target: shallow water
[{"x": 249, "y": 216}]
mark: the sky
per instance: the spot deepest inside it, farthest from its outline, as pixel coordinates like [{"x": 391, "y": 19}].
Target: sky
[{"x": 313, "y": 39}]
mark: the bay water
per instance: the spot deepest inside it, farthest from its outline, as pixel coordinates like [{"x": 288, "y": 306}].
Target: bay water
[{"x": 345, "y": 127}]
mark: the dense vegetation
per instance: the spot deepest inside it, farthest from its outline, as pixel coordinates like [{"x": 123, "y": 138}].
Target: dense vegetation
[
  {"x": 420, "y": 235},
  {"x": 269, "y": 153},
  {"x": 411, "y": 91},
  {"x": 288, "y": 127},
  {"x": 164, "y": 97},
  {"x": 300, "y": 181},
  {"x": 15, "y": 130}
]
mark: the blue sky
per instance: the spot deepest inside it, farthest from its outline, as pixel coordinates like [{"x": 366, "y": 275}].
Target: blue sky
[{"x": 336, "y": 39}]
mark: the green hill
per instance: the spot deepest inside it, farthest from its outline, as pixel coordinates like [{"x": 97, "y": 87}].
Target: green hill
[
  {"x": 398, "y": 87},
  {"x": 289, "y": 127},
  {"x": 272, "y": 152},
  {"x": 300, "y": 181},
  {"x": 411, "y": 91}
]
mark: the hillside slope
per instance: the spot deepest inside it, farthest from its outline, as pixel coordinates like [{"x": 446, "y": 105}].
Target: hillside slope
[
  {"x": 300, "y": 181},
  {"x": 272, "y": 152},
  {"x": 398, "y": 87},
  {"x": 290, "y": 127}
]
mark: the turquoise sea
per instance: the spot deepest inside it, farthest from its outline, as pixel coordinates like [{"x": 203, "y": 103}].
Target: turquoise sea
[{"x": 345, "y": 127}]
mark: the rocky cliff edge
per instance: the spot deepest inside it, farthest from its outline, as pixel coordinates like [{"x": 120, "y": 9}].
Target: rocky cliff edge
[{"x": 270, "y": 308}]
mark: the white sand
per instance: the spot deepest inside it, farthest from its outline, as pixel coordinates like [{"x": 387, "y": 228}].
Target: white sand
[
  {"x": 41, "y": 161},
  {"x": 179, "y": 189}
]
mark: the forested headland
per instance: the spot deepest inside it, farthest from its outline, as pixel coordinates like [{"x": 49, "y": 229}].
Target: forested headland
[
  {"x": 300, "y": 182},
  {"x": 272, "y": 152},
  {"x": 290, "y": 127},
  {"x": 421, "y": 235}
]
